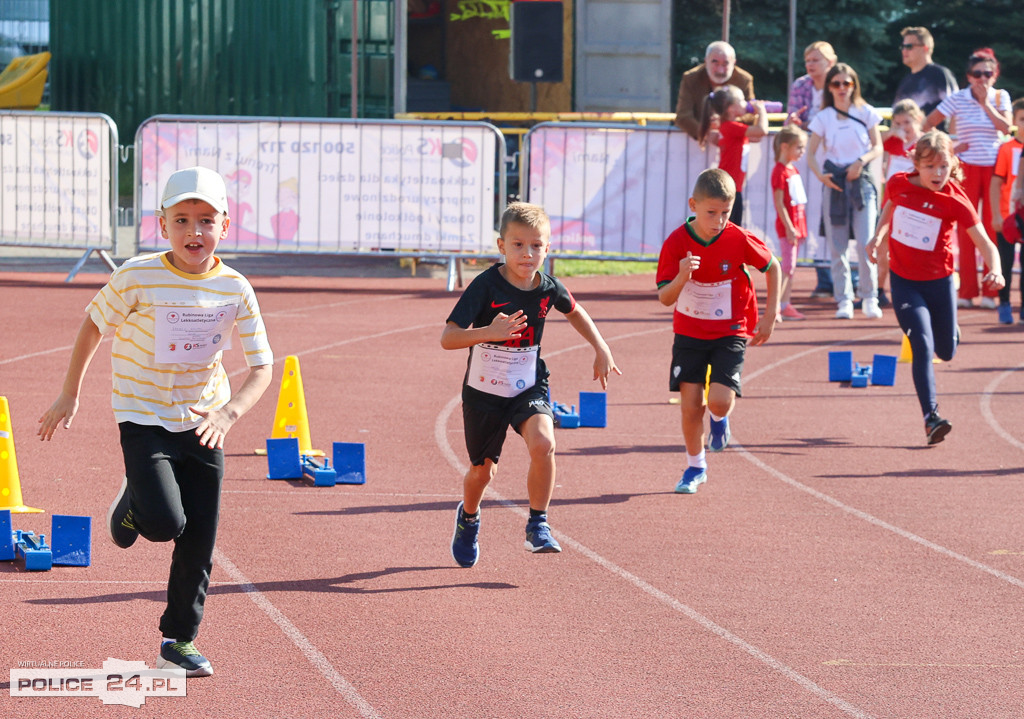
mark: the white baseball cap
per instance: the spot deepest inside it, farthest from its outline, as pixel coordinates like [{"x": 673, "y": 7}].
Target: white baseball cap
[{"x": 195, "y": 183}]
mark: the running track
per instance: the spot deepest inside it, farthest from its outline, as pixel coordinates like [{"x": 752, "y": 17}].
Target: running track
[{"x": 832, "y": 566}]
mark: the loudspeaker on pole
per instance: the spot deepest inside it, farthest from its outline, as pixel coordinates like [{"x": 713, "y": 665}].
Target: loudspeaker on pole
[{"x": 537, "y": 40}]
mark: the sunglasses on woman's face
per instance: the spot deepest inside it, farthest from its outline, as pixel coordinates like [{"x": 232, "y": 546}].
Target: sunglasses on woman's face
[
  {"x": 978, "y": 74},
  {"x": 841, "y": 83}
]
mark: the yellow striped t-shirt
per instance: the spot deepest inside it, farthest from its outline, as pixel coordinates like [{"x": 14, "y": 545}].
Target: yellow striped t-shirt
[{"x": 149, "y": 392}]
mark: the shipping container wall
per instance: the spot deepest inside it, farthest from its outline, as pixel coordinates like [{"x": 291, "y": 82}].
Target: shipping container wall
[{"x": 132, "y": 60}]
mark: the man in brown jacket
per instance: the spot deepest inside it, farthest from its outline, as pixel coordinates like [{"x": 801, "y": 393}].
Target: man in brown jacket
[{"x": 718, "y": 69}]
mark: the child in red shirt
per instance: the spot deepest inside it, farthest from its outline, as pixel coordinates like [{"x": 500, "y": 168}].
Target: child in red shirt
[
  {"x": 790, "y": 203},
  {"x": 999, "y": 190},
  {"x": 724, "y": 111},
  {"x": 702, "y": 273},
  {"x": 898, "y": 143},
  {"x": 914, "y": 237}
]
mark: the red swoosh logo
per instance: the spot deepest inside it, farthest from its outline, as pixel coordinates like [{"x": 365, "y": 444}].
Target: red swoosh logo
[{"x": 496, "y": 305}]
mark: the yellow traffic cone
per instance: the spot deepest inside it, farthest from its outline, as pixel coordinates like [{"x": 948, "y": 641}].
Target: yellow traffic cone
[
  {"x": 907, "y": 355},
  {"x": 10, "y": 485},
  {"x": 290, "y": 419}
]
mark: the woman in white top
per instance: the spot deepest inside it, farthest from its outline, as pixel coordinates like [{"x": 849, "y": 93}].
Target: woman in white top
[
  {"x": 981, "y": 113},
  {"x": 846, "y": 128}
]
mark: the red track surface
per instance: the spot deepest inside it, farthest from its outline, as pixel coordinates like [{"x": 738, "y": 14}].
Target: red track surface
[{"x": 832, "y": 566}]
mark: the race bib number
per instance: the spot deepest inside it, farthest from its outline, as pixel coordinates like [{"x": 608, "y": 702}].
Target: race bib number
[
  {"x": 503, "y": 371},
  {"x": 797, "y": 193},
  {"x": 706, "y": 301},
  {"x": 192, "y": 335},
  {"x": 915, "y": 229}
]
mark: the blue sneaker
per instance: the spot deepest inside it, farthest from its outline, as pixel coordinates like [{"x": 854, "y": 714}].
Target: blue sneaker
[
  {"x": 719, "y": 435},
  {"x": 1005, "y": 314},
  {"x": 538, "y": 536},
  {"x": 465, "y": 547},
  {"x": 693, "y": 477}
]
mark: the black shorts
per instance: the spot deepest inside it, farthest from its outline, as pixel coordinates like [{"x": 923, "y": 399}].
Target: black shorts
[
  {"x": 691, "y": 357},
  {"x": 486, "y": 423}
]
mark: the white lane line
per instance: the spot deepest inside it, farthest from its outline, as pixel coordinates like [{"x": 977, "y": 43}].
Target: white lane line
[
  {"x": 309, "y": 650},
  {"x": 871, "y": 519},
  {"x": 986, "y": 407},
  {"x": 441, "y": 437}
]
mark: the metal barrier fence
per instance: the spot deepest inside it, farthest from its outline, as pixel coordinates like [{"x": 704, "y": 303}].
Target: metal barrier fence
[
  {"x": 58, "y": 182},
  {"x": 406, "y": 188},
  {"x": 333, "y": 186},
  {"x": 617, "y": 191}
]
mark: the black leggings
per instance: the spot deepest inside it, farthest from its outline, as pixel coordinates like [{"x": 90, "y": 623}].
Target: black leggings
[
  {"x": 174, "y": 494},
  {"x": 1006, "y": 252},
  {"x": 926, "y": 311}
]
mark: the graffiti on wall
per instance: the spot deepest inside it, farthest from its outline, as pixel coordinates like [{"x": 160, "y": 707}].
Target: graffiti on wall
[{"x": 485, "y": 10}]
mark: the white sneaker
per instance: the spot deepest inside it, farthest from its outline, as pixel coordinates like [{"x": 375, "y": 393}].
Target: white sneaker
[
  {"x": 871, "y": 309},
  {"x": 845, "y": 311},
  {"x": 989, "y": 303},
  {"x": 964, "y": 303}
]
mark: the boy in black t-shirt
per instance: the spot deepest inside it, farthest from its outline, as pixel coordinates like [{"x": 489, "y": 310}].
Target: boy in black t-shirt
[{"x": 500, "y": 318}]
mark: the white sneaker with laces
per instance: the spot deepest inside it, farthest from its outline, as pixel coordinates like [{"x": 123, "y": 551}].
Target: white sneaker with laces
[
  {"x": 871, "y": 309},
  {"x": 989, "y": 303},
  {"x": 845, "y": 311}
]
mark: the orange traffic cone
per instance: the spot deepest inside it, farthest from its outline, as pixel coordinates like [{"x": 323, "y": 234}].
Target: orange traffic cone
[
  {"x": 290, "y": 419},
  {"x": 10, "y": 485}
]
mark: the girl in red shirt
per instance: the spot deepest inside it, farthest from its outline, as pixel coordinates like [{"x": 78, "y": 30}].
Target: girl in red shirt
[
  {"x": 724, "y": 112},
  {"x": 914, "y": 237},
  {"x": 790, "y": 209}
]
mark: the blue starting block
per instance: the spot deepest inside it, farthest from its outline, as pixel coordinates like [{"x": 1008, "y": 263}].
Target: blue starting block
[
  {"x": 566, "y": 417},
  {"x": 593, "y": 411},
  {"x": 34, "y": 550},
  {"x": 840, "y": 366},
  {"x": 350, "y": 462},
  {"x": 861, "y": 375},
  {"x": 70, "y": 535},
  {"x": 284, "y": 461},
  {"x": 883, "y": 370}
]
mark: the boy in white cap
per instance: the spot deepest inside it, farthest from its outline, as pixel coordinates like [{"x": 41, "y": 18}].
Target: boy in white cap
[{"x": 173, "y": 314}]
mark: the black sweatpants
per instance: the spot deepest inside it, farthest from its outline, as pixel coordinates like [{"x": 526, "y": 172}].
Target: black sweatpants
[{"x": 174, "y": 494}]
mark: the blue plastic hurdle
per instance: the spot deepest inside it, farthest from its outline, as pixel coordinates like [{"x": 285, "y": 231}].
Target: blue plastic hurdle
[{"x": 71, "y": 538}]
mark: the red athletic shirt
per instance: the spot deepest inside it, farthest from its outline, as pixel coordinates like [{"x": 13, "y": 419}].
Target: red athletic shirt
[
  {"x": 730, "y": 148},
  {"x": 921, "y": 228},
  {"x": 722, "y": 260},
  {"x": 782, "y": 176}
]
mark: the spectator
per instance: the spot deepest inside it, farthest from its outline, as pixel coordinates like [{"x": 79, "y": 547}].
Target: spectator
[
  {"x": 981, "y": 114},
  {"x": 928, "y": 84},
  {"x": 847, "y": 129},
  {"x": 806, "y": 94},
  {"x": 805, "y": 100},
  {"x": 718, "y": 69}
]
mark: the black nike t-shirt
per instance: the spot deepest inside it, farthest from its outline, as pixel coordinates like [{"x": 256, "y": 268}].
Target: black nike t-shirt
[{"x": 490, "y": 294}]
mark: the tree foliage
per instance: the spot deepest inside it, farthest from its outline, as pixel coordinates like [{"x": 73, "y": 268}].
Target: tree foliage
[{"x": 865, "y": 34}]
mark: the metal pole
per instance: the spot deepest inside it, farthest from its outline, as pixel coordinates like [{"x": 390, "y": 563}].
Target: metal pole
[
  {"x": 726, "y": 9},
  {"x": 792, "y": 44},
  {"x": 355, "y": 59}
]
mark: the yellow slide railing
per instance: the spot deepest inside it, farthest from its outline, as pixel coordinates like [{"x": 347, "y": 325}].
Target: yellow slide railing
[{"x": 22, "y": 82}]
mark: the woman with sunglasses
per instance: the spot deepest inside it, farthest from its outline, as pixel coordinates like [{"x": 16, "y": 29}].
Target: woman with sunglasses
[
  {"x": 846, "y": 128},
  {"x": 981, "y": 113}
]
